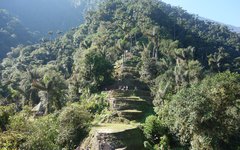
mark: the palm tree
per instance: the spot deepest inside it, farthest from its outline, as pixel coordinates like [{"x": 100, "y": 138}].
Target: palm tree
[
  {"x": 51, "y": 90},
  {"x": 217, "y": 60}
]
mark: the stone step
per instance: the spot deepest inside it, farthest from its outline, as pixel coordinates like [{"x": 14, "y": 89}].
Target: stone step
[
  {"x": 132, "y": 84},
  {"x": 122, "y": 103},
  {"x": 131, "y": 114},
  {"x": 131, "y": 70},
  {"x": 129, "y": 75},
  {"x": 130, "y": 92}
]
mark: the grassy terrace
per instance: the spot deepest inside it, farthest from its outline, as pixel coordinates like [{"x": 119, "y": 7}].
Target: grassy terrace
[
  {"x": 131, "y": 111},
  {"x": 130, "y": 98},
  {"x": 113, "y": 128}
]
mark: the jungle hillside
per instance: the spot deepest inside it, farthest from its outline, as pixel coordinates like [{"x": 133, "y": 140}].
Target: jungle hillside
[{"x": 135, "y": 75}]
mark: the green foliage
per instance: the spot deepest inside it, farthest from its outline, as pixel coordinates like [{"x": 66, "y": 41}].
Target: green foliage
[
  {"x": 19, "y": 122},
  {"x": 11, "y": 140},
  {"x": 148, "y": 146},
  {"x": 17, "y": 129},
  {"x": 52, "y": 89},
  {"x": 162, "y": 145},
  {"x": 218, "y": 61},
  {"x": 154, "y": 129},
  {"x": 206, "y": 114},
  {"x": 53, "y": 131},
  {"x": 12, "y": 33},
  {"x": 5, "y": 97},
  {"x": 95, "y": 71},
  {"x": 178, "y": 69},
  {"x": 149, "y": 67},
  {"x": 5, "y": 113},
  {"x": 74, "y": 122},
  {"x": 170, "y": 50},
  {"x": 84, "y": 56},
  {"x": 96, "y": 103},
  {"x": 42, "y": 134},
  {"x": 26, "y": 133}
]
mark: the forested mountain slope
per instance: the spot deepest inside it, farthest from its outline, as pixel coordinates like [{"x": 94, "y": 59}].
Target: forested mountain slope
[
  {"x": 180, "y": 58},
  {"x": 236, "y": 29},
  {"x": 48, "y": 15},
  {"x": 37, "y": 20},
  {"x": 12, "y": 33}
]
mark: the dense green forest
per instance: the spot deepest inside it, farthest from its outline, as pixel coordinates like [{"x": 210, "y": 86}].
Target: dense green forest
[
  {"x": 136, "y": 67},
  {"x": 46, "y": 15},
  {"x": 20, "y": 27},
  {"x": 12, "y": 33}
]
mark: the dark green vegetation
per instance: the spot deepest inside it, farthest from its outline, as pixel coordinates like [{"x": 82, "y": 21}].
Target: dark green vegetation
[
  {"x": 190, "y": 67},
  {"x": 12, "y": 33},
  {"x": 36, "y": 21},
  {"x": 48, "y": 15}
]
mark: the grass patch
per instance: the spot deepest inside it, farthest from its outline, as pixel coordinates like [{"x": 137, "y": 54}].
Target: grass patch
[
  {"x": 131, "y": 111},
  {"x": 113, "y": 128}
]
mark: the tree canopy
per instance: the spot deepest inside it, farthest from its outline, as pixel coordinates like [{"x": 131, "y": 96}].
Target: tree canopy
[{"x": 189, "y": 66}]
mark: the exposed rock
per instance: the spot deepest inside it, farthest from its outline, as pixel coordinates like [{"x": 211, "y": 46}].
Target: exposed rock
[{"x": 114, "y": 136}]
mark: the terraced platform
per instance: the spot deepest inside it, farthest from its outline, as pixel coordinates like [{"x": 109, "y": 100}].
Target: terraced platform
[
  {"x": 132, "y": 104},
  {"x": 114, "y": 136}
]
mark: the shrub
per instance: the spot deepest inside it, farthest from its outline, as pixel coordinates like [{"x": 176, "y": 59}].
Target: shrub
[
  {"x": 96, "y": 103},
  {"x": 154, "y": 129},
  {"x": 11, "y": 140},
  {"x": 5, "y": 113},
  {"x": 207, "y": 114},
  {"x": 43, "y": 134},
  {"x": 17, "y": 129},
  {"x": 74, "y": 122}
]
